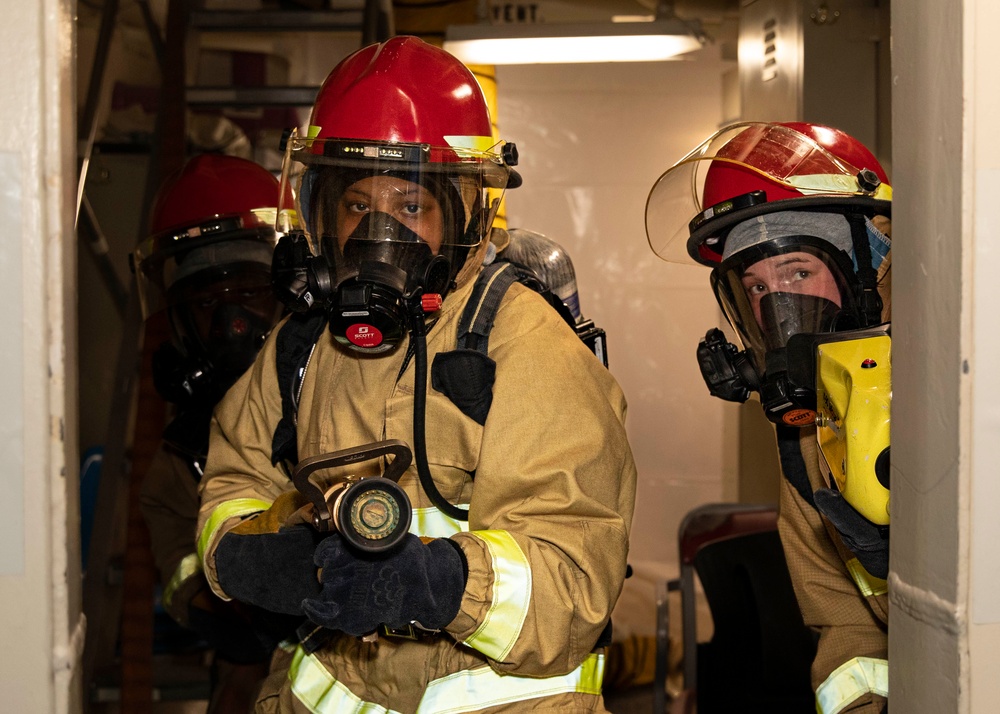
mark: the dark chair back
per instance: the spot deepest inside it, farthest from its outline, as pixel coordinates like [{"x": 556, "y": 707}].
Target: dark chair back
[{"x": 760, "y": 654}]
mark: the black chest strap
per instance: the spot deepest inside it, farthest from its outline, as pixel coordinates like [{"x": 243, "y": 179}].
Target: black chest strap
[{"x": 476, "y": 323}]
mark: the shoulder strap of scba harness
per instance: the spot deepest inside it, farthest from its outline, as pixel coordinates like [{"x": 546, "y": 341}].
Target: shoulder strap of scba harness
[
  {"x": 295, "y": 342},
  {"x": 465, "y": 375},
  {"x": 476, "y": 322}
]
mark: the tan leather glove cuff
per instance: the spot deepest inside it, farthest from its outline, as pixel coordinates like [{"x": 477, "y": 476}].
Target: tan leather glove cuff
[{"x": 289, "y": 508}]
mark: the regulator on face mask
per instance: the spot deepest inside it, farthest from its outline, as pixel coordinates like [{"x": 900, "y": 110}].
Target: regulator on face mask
[
  {"x": 841, "y": 382},
  {"x": 370, "y": 301},
  {"x": 731, "y": 374}
]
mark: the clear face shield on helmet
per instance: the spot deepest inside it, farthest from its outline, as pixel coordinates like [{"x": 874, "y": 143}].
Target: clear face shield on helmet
[
  {"x": 389, "y": 219},
  {"x": 223, "y": 242},
  {"x": 678, "y": 210},
  {"x": 350, "y": 196}
]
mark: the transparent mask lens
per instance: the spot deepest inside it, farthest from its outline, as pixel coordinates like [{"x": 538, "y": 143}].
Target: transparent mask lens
[{"x": 768, "y": 297}]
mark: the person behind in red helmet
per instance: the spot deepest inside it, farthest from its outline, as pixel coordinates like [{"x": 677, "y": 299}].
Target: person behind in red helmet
[
  {"x": 207, "y": 265},
  {"x": 794, "y": 221},
  {"x": 522, "y": 486}
]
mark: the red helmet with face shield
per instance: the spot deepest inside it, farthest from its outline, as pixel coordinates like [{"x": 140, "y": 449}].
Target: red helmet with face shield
[
  {"x": 753, "y": 168},
  {"x": 779, "y": 150},
  {"x": 217, "y": 211},
  {"x": 794, "y": 220},
  {"x": 399, "y": 152},
  {"x": 213, "y": 185},
  {"x": 207, "y": 261}
]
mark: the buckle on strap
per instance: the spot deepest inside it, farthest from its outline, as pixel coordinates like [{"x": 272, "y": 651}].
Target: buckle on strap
[
  {"x": 410, "y": 631},
  {"x": 406, "y": 632},
  {"x": 312, "y": 636}
]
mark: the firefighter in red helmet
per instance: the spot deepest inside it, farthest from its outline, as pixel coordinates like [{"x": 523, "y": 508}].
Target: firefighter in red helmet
[
  {"x": 207, "y": 265},
  {"x": 406, "y": 331},
  {"x": 794, "y": 221}
]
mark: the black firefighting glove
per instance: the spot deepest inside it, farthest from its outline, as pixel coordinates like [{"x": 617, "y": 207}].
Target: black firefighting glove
[
  {"x": 266, "y": 562},
  {"x": 414, "y": 583},
  {"x": 869, "y": 542}
]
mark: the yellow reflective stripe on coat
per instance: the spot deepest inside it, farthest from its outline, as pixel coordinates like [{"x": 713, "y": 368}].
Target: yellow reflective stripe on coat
[
  {"x": 433, "y": 523},
  {"x": 466, "y": 691},
  {"x": 502, "y": 623},
  {"x": 189, "y": 566},
  {"x": 479, "y": 688},
  {"x": 851, "y": 680},
  {"x": 314, "y": 686},
  {"x": 867, "y": 583},
  {"x": 236, "y": 508}
]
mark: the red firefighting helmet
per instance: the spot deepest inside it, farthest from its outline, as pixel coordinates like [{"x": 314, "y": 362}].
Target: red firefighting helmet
[
  {"x": 751, "y": 169},
  {"x": 212, "y": 185},
  {"x": 410, "y": 110},
  {"x": 403, "y": 91},
  {"x": 211, "y": 229}
]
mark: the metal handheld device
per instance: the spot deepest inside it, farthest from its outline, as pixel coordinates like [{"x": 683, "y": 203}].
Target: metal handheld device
[{"x": 372, "y": 513}]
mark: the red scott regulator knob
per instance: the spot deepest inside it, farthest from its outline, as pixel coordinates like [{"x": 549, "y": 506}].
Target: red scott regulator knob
[{"x": 430, "y": 302}]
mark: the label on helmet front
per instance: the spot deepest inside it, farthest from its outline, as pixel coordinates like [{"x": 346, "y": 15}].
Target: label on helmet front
[{"x": 363, "y": 335}]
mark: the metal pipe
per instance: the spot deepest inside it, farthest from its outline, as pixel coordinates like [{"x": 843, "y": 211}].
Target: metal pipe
[{"x": 87, "y": 127}]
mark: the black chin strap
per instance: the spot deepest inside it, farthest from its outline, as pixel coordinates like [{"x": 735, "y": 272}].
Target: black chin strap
[{"x": 871, "y": 301}]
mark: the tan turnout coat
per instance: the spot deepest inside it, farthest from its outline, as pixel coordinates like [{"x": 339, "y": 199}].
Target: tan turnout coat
[
  {"x": 847, "y": 606},
  {"x": 547, "y": 537}
]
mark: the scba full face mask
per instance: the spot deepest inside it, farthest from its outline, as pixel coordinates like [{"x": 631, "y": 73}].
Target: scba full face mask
[
  {"x": 220, "y": 307},
  {"x": 224, "y": 310},
  {"x": 392, "y": 228},
  {"x": 794, "y": 221},
  {"x": 785, "y": 278}
]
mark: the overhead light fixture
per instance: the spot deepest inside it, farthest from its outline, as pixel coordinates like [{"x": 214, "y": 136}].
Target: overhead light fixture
[{"x": 556, "y": 43}]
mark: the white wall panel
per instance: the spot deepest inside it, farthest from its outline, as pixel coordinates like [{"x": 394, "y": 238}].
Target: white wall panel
[
  {"x": 932, "y": 167},
  {"x": 593, "y": 139},
  {"x": 40, "y": 573},
  {"x": 981, "y": 22},
  {"x": 11, "y": 390}
]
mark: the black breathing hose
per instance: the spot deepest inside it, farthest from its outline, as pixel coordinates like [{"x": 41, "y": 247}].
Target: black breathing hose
[{"x": 418, "y": 333}]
